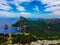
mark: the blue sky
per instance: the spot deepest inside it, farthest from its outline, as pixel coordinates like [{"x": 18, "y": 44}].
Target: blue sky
[{"x": 30, "y": 8}]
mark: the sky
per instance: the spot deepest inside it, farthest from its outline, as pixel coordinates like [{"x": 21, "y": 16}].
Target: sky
[{"x": 30, "y": 8}]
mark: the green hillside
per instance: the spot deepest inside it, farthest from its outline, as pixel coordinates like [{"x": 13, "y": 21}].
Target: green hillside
[{"x": 44, "y": 29}]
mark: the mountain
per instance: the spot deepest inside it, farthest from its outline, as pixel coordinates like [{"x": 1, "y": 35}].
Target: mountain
[
  {"x": 22, "y": 21},
  {"x": 45, "y": 28}
]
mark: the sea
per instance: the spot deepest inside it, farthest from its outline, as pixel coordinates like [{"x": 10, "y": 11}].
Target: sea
[{"x": 9, "y": 22}]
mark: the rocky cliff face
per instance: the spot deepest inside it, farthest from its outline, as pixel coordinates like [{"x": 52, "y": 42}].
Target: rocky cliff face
[{"x": 22, "y": 21}]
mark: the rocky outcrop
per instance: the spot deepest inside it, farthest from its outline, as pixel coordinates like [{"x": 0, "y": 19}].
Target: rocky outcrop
[{"x": 22, "y": 21}]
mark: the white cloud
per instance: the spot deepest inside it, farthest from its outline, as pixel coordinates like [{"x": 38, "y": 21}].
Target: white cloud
[
  {"x": 56, "y": 12},
  {"x": 48, "y": 1},
  {"x": 24, "y": 0},
  {"x": 4, "y": 5},
  {"x": 53, "y": 6},
  {"x": 8, "y": 14},
  {"x": 15, "y": 2},
  {"x": 20, "y": 8},
  {"x": 36, "y": 8},
  {"x": 3, "y": 1}
]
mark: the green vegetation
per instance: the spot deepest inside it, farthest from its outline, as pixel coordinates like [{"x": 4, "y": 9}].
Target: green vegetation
[
  {"x": 44, "y": 29},
  {"x": 33, "y": 30},
  {"x": 17, "y": 38}
]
